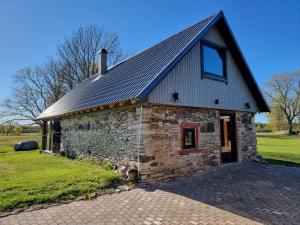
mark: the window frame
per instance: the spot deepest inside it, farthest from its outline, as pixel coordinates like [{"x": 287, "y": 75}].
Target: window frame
[
  {"x": 186, "y": 151},
  {"x": 216, "y": 47}
]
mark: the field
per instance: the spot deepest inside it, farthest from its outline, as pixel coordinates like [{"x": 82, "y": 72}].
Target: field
[
  {"x": 279, "y": 149},
  {"x": 8, "y": 141},
  {"x": 28, "y": 178}
]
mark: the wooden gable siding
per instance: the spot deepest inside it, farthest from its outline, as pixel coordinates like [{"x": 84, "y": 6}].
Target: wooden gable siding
[{"x": 185, "y": 78}]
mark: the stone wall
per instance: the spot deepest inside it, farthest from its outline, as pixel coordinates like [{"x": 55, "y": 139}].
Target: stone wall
[
  {"x": 161, "y": 142},
  {"x": 113, "y": 135},
  {"x": 110, "y": 134},
  {"x": 246, "y": 135}
]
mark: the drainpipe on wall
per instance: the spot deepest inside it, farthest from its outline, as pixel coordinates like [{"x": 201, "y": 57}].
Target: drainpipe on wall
[{"x": 139, "y": 140}]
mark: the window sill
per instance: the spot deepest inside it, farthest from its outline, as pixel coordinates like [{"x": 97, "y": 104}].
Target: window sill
[
  {"x": 189, "y": 151},
  {"x": 211, "y": 77}
]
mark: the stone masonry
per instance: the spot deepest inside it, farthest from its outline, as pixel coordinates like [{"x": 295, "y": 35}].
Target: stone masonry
[
  {"x": 161, "y": 142},
  {"x": 110, "y": 134},
  {"x": 113, "y": 135},
  {"x": 246, "y": 135}
]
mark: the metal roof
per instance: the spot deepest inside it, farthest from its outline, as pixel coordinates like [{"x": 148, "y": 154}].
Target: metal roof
[{"x": 133, "y": 78}]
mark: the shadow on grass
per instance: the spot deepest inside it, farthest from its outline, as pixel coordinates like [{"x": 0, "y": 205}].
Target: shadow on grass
[{"x": 282, "y": 162}]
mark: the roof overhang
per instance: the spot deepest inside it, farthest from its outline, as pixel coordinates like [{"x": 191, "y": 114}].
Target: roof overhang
[{"x": 90, "y": 109}]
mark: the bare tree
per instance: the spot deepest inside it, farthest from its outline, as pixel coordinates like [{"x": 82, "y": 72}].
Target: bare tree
[
  {"x": 53, "y": 76},
  {"x": 34, "y": 89},
  {"x": 78, "y": 53},
  {"x": 28, "y": 97},
  {"x": 283, "y": 93}
]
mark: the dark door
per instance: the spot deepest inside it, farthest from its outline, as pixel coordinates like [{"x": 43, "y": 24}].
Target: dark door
[
  {"x": 56, "y": 129},
  {"x": 228, "y": 137}
]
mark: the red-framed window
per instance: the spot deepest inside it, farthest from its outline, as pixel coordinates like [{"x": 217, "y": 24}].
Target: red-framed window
[{"x": 189, "y": 138}]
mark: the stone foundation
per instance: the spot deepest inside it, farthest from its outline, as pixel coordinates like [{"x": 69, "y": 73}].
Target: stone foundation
[{"x": 113, "y": 135}]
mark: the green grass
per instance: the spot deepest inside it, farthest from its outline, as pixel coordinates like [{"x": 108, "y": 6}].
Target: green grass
[
  {"x": 279, "y": 149},
  {"x": 7, "y": 142},
  {"x": 28, "y": 178}
]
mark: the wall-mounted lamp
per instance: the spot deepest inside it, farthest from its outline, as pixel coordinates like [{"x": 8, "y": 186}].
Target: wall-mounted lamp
[
  {"x": 216, "y": 101},
  {"x": 247, "y": 105},
  {"x": 176, "y": 97}
]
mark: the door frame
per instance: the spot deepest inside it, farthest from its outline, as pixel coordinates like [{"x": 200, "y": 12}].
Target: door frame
[{"x": 234, "y": 146}]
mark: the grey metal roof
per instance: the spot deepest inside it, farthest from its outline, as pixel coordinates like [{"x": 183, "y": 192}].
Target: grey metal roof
[
  {"x": 135, "y": 77},
  {"x": 127, "y": 79}
]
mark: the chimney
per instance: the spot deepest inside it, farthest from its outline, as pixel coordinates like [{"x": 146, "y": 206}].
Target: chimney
[{"x": 102, "y": 66}]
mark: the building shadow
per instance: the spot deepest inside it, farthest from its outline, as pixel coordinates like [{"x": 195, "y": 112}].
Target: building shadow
[
  {"x": 282, "y": 162},
  {"x": 266, "y": 193}
]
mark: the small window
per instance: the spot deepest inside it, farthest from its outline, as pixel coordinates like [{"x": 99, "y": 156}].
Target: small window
[
  {"x": 189, "y": 139},
  {"x": 213, "y": 61},
  {"x": 189, "y": 135}
]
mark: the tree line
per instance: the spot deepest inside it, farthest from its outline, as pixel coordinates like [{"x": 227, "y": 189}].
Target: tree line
[
  {"x": 37, "y": 87},
  {"x": 11, "y": 129},
  {"x": 283, "y": 95},
  {"x": 17, "y": 129}
]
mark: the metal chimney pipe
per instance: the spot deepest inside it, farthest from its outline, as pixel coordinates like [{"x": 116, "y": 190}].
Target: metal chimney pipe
[{"x": 102, "y": 65}]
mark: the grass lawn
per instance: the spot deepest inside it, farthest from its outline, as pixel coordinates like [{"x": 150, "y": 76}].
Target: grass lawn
[
  {"x": 28, "y": 178},
  {"x": 279, "y": 149},
  {"x": 7, "y": 142}
]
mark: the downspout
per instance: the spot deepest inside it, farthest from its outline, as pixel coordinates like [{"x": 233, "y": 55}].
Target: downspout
[{"x": 139, "y": 140}]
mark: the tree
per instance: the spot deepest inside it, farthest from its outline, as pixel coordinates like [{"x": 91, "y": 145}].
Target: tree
[
  {"x": 2, "y": 128},
  {"x": 17, "y": 129},
  {"x": 78, "y": 53},
  {"x": 8, "y": 128},
  {"x": 283, "y": 94},
  {"x": 277, "y": 119},
  {"x": 53, "y": 76},
  {"x": 28, "y": 97},
  {"x": 36, "y": 88}
]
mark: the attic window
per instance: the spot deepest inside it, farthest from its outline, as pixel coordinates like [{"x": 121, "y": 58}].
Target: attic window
[{"x": 213, "y": 61}]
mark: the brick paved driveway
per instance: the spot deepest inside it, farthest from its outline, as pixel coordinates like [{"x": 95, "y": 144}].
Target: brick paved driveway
[{"x": 244, "y": 193}]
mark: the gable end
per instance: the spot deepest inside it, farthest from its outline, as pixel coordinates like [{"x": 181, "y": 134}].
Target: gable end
[{"x": 221, "y": 23}]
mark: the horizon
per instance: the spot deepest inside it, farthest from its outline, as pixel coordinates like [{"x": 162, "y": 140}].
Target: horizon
[{"x": 43, "y": 25}]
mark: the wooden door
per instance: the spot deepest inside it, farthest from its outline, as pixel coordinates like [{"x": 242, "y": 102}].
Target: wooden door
[{"x": 228, "y": 137}]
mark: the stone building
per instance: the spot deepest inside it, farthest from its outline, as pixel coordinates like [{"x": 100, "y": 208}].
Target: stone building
[{"x": 185, "y": 105}]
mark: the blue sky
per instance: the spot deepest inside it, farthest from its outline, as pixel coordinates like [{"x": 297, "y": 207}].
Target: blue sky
[{"x": 268, "y": 32}]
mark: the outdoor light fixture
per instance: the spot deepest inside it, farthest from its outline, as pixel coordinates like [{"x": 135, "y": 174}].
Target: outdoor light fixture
[
  {"x": 216, "y": 101},
  {"x": 247, "y": 105},
  {"x": 175, "y": 97}
]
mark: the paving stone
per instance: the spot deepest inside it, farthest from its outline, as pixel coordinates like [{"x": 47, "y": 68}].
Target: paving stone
[{"x": 244, "y": 193}]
